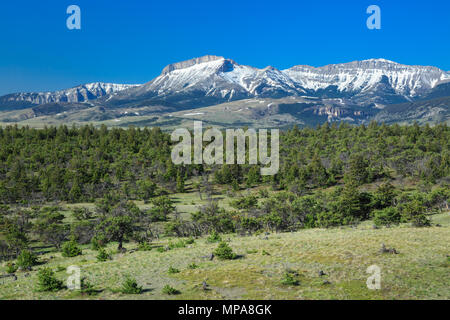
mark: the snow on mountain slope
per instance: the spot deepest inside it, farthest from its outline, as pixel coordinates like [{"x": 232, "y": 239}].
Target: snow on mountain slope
[
  {"x": 361, "y": 76},
  {"x": 219, "y": 80},
  {"x": 82, "y": 93},
  {"x": 196, "y": 74},
  {"x": 211, "y": 80}
]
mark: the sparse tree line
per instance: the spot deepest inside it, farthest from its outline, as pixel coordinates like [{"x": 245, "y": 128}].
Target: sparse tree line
[
  {"x": 287, "y": 211},
  {"x": 113, "y": 220}
]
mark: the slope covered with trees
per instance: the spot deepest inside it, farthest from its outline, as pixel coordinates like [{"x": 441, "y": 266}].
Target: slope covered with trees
[{"x": 329, "y": 176}]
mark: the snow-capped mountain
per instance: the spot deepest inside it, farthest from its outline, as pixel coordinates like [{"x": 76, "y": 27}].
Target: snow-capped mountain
[
  {"x": 82, "y": 93},
  {"x": 374, "y": 78},
  {"x": 214, "y": 74},
  {"x": 211, "y": 79}
]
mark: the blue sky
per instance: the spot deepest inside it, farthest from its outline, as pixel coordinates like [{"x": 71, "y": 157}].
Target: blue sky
[{"x": 131, "y": 41}]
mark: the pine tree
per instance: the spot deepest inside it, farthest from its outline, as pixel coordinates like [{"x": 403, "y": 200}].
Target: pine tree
[{"x": 180, "y": 184}]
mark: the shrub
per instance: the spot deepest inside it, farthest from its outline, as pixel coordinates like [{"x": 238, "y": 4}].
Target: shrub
[
  {"x": 103, "y": 255},
  {"x": 172, "y": 228},
  {"x": 11, "y": 268},
  {"x": 214, "y": 237},
  {"x": 384, "y": 196},
  {"x": 414, "y": 212},
  {"x": 161, "y": 249},
  {"x": 250, "y": 224},
  {"x": 47, "y": 281},
  {"x": 235, "y": 185},
  {"x": 289, "y": 279},
  {"x": 224, "y": 252},
  {"x": 326, "y": 219},
  {"x": 258, "y": 232},
  {"x": 26, "y": 259},
  {"x": 245, "y": 202},
  {"x": 212, "y": 215},
  {"x": 60, "y": 269},
  {"x": 98, "y": 242},
  {"x": 86, "y": 287},
  {"x": 82, "y": 214},
  {"x": 170, "y": 290},
  {"x": 193, "y": 266},
  {"x": 83, "y": 231},
  {"x": 130, "y": 286},
  {"x": 173, "y": 270},
  {"x": 162, "y": 207},
  {"x": 189, "y": 241},
  {"x": 144, "y": 246},
  {"x": 263, "y": 193},
  {"x": 178, "y": 244},
  {"x": 71, "y": 249},
  {"x": 386, "y": 216}
]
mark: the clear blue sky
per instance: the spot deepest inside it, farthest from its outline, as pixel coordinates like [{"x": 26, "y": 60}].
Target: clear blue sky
[{"x": 131, "y": 41}]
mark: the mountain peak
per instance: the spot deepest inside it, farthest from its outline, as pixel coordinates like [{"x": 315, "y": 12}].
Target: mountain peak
[
  {"x": 189, "y": 63},
  {"x": 214, "y": 79},
  {"x": 80, "y": 93},
  {"x": 380, "y": 60}
]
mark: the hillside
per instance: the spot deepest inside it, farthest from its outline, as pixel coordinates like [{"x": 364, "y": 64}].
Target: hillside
[
  {"x": 418, "y": 271},
  {"x": 435, "y": 110},
  {"x": 112, "y": 202}
]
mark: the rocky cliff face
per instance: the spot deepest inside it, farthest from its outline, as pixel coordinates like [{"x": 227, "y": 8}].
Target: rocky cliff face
[
  {"x": 212, "y": 79},
  {"x": 370, "y": 81}
]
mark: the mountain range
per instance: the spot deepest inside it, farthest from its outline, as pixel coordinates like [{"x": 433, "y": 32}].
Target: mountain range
[{"x": 217, "y": 89}]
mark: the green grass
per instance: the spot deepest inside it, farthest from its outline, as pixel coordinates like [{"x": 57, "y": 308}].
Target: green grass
[{"x": 419, "y": 271}]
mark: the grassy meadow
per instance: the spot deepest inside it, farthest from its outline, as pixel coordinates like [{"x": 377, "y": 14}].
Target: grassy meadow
[{"x": 419, "y": 270}]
